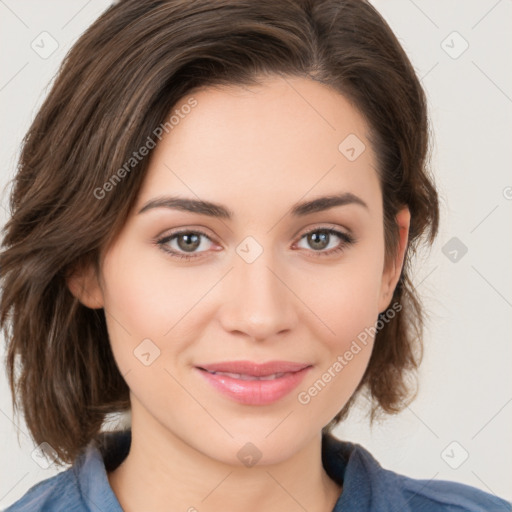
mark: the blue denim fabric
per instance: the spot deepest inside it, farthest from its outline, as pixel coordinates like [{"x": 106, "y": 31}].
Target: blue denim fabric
[{"x": 367, "y": 487}]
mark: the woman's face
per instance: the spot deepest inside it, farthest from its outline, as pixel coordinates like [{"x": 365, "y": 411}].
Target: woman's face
[{"x": 244, "y": 281}]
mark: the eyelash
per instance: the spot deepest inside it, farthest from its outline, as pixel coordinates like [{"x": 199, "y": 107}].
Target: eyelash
[{"x": 345, "y": 237}]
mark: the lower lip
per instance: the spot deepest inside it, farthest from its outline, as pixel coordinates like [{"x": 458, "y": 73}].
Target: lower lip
[{"x": 255, "y": 392}]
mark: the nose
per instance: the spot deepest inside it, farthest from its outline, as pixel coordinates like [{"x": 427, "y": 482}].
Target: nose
[{"x": 259, "y": 302}]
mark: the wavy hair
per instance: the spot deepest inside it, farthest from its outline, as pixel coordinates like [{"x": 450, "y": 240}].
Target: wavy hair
[{"x": 118, "y": 83}]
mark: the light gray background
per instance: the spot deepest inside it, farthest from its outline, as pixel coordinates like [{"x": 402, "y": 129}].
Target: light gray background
[{"x": 465, "y": 394}]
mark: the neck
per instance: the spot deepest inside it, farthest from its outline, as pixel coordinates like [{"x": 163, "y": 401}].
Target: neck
[{"x": 162, "y": 472}]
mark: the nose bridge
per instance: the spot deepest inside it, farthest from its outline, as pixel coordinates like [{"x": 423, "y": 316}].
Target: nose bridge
[{"x": 260, "y": 304}]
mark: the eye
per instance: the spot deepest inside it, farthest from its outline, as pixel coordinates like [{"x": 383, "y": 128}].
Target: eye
[
  {"x": 184, "y": 244},
  {"x": 325, "y": 238}
]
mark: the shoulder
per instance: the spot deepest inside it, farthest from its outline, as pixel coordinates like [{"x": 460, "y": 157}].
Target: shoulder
[
  {"x": 84, "y": 483},
  {"x": 444, "y": 495},
  {"x": 422, "y": 495},
  {"x": 370, "y": 487},
  {"x": 58, "y": 493}
]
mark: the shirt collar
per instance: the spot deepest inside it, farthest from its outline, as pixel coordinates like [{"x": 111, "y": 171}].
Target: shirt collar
[
  {"x": 366, "y": 485},
  {"x": 347, "y": 463},
  {"x": 92, "y": 466}
]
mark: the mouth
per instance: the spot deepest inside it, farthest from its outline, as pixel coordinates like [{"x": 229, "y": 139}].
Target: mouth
[
  {"x": 251, "y": 383},
  {"x": 242, "y": 376},
  {"x": 253, "y": 369}
]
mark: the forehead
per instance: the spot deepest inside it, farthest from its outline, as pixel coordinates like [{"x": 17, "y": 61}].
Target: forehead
[{"x": 285, "y": 134}]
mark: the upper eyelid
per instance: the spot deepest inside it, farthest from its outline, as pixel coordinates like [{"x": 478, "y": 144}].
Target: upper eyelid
[
  {"x": 304, "y": 231},
  {"x": 328, "y": 226},
  {"x": 301, "y": 233}
]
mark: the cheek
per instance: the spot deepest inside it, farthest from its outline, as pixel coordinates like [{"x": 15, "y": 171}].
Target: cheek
[
  {"x": 145, "y": 305},
  {"x": 147, "y": 289},
  {"x": 348, "y": 306},
  {"x": 351, "y": 313},
  {"x": 155, "y": 310},
  {"x": 346, "y": 296}
]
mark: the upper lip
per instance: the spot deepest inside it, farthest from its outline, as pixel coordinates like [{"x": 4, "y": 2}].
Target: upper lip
[{"x": 254, "y": 369}]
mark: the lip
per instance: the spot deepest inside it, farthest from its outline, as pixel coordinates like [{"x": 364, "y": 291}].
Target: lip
[
  {"x": 254, "y": 392},
  {"x": 254, "y": 369}
]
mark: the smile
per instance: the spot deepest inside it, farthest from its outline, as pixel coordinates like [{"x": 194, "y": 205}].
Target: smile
[
  {"x": 242, "y": 376},
  {"x": 254, "y": 384}
]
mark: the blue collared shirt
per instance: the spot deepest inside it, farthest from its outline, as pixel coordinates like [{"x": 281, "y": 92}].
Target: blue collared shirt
[{"x": 367, "y": 487}]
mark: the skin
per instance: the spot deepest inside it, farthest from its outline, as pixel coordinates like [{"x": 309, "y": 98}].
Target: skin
[{"x": 258, "y": 151}]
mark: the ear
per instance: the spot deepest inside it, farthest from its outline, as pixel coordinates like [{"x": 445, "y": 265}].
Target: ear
[
  {"x": 84, "y": 285},
  {"x": 391, "y": 275}
]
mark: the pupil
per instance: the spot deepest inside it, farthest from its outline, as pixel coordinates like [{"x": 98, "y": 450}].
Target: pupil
[
  {"x": 319, "y": 239},
  {"x": 191, "y": 242}
]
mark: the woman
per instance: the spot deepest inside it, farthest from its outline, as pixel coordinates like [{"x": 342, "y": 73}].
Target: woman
[{"x": 217, "y": 240}]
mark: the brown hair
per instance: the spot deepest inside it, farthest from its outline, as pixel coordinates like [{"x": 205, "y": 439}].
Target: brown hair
[{"x": 115, "y": 86}]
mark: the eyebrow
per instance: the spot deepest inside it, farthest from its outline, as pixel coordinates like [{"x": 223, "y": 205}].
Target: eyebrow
[{"x": 220, "y": 211}]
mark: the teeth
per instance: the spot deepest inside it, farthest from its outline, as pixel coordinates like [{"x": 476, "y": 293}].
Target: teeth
[{"x": 240, "y": 376}]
